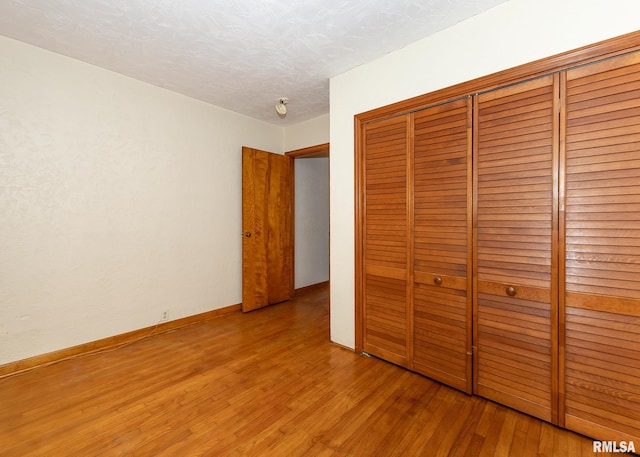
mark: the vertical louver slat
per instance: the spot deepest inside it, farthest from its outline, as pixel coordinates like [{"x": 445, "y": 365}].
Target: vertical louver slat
[
  {"x": 442, "y": 172},
  {"x": 602, "y": 254},
  {"x": 385, "y": 246},
  {"x": 514, "y": 241}
]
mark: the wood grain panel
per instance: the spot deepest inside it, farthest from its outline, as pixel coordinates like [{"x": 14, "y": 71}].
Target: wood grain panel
[
  {"x": 385, "y": 318},
  {"x": 603, "y": 179},
  {"x": 602, "y": 253},
  {"x": 281, "y": 231},
  {"x": 442, "y": 230},
  {"x": 514, "y": 353},
  {"x": 440, "y": 335},
  {"x": 515, "y": 184},
  {"x": 385, "y": 240},
  {"x": 267, "y": 226},
  {"x": 526, "y": 293},
  {"x": 515, "y": 169},
  {"x": 602, "y": 374}
]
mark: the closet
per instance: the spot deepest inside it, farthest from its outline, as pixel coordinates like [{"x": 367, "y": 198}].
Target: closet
[{"x": 498, "y": 238}]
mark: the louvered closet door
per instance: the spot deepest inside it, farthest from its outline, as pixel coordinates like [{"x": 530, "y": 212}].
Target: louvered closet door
[
  {"x": 385, "y": 240},
  {"x": 515, "y": 360},
  {"x": 442, "y": 239},
  {"x": 602, "y": 253}
]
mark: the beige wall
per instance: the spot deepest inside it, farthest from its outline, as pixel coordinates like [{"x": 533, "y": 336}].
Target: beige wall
[
  {"x": 510, "y": 34},
  {"x": 118, "y": 201},
  {"x": 308, "y": 133}
]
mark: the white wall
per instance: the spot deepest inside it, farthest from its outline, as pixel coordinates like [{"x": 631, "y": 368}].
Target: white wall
[
  {"x": 118, "y": 201},
  {"x": 510, "y": 34},
  {"x": 312, "y": 202}
]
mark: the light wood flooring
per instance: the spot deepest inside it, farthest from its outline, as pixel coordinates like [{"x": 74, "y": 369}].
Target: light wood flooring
[{"x": 268, "y": 383}]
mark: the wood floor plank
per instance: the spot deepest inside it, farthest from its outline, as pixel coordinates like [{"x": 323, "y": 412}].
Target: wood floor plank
[
  {"x": 493, "y": 433},
  {"x": 528, "y": 440},
  {"x": 465, "y": 438},
  {"x": 266, "y": 383}
]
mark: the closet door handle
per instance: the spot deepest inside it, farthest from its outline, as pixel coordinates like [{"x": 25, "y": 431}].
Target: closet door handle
[
  {"x": 437, "y": 280},
  {"x": 511, "y": 291}
]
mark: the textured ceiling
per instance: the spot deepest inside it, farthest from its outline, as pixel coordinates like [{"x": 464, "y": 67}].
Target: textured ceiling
[{"x": 239, "y": 55}]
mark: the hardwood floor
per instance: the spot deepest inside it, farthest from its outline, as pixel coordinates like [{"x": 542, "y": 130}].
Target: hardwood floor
[{"x": 267, "y": 383}]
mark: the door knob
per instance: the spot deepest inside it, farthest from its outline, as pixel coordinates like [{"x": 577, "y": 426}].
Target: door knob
[
  {"x": 437, "y": 280},
  {"x": 511, "y": 291}
]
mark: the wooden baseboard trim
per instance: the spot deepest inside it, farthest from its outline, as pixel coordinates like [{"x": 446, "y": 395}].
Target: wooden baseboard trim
[
  {"x": 111, "y": 342},
  {"x": 311, "y": 287}
]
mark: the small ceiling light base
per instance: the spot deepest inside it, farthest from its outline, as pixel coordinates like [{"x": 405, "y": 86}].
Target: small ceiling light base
[{"x": 281, "y": 106}]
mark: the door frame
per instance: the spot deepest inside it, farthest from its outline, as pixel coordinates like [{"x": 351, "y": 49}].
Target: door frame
[
  {"x": 318, "y": 149},
  {"x": 311, "y": 151}
]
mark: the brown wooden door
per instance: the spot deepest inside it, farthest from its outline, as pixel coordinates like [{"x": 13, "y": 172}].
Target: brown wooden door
[
  {"x": 267, "y": 226},
  {"x": 602, "y": 250},
  {"x": 385, "y": 240},
  {"x": 442, "y": 243},
  {"x": 515, "y": 249}
]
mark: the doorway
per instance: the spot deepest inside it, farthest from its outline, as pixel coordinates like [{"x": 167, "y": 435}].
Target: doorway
[{"x": 311, "y": 215}]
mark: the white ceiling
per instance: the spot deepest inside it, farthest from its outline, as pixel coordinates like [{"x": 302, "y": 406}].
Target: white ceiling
[{"x": 241, "y": 55}]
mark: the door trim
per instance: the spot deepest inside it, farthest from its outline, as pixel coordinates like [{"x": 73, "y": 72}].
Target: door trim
[{"x": 319, "y": 149}]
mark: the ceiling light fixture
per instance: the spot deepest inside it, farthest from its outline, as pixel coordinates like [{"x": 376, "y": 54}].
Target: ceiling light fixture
[{"x": 281, "y": 106}]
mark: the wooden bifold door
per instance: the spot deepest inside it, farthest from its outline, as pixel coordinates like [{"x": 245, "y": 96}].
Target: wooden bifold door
[
  {"x": 386, "y": 241},
  {"x": 601, "y": 249},
  {"x": 516, "y": 300},
  {"x": 416, "y": 241},
  {"x": 498, "y": 242},
  {"x": 442, "y": 243}
]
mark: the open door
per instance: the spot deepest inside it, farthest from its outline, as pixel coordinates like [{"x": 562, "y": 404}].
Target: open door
[{"x": 267, "y": 228}]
